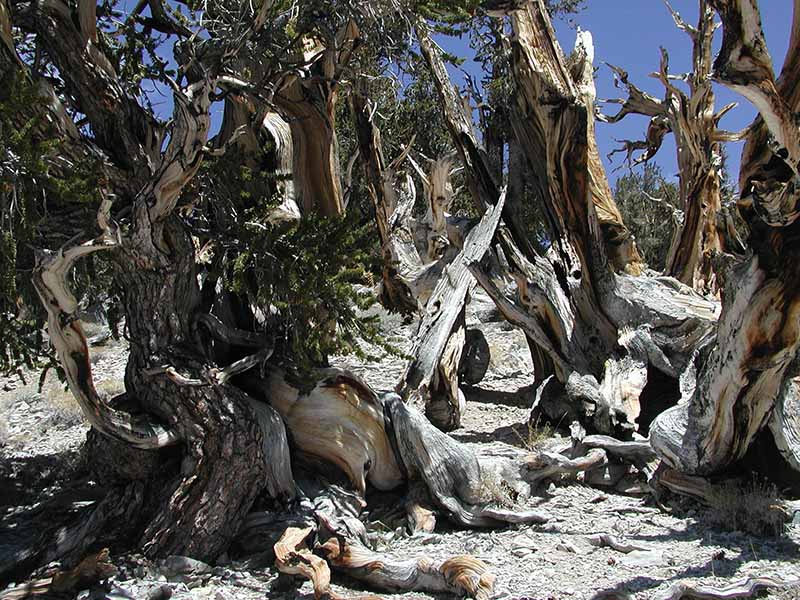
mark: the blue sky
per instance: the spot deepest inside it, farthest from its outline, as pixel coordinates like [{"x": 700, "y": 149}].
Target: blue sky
[{"x": 629, "y": 33}]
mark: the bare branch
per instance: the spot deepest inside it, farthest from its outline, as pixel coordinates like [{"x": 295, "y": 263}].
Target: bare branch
[{"x": 637, "y": 102}]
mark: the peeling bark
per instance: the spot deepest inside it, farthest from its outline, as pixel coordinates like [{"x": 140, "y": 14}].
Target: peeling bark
[
  {"x": 309, "y": 104},
  {"x": 736, "y": 390}
]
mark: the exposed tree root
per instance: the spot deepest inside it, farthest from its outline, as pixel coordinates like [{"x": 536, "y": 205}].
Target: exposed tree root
[
  {"x": 543, "y": 465},
  {"x": 90, "y": 570},
  {"x": 293, "y": 557},
  {"x": 342, "y": 540},
  {"x": 744, "y": 588}
]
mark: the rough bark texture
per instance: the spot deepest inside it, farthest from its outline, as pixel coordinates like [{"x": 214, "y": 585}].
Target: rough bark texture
[
  {"x": 736, "y": 389},
  {"x": 596, "y": 325},
  {"x": 167, "y": 375}
]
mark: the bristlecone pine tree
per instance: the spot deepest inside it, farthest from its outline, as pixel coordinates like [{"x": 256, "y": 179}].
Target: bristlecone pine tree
[{"x": 231, "y": 254}]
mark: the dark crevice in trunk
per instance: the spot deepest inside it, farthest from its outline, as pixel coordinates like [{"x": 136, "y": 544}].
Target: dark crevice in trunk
[{"x": 660, "y": 393}]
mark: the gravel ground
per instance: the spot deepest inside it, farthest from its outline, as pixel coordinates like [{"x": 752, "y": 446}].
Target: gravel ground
[{"x": 555, "y": 561}]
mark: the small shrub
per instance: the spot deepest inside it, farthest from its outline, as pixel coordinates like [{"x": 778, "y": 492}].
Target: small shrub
[
  {"x": 495, "y": 490},
  {"x": 63, "y": 410},
  {"x": 535, "y": 435},
  {"x": 754, "y": 507},
  {"x": 109, "y": 388}
]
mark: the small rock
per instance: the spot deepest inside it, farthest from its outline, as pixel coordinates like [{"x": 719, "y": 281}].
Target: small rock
[
  {"x": 566, "y": 547},
  {"x": 161, "y": 592},
  {"x": 431, "y": 539},
  {"x": 643, "y": 558},
  {"x": 183, "y": 565}
]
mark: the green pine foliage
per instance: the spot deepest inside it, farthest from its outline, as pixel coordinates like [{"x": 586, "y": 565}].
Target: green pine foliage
[
  {"x": 312, "y": 277},
  {"x": 649, "y": 205},
  {"x": 37, "y": 208}
]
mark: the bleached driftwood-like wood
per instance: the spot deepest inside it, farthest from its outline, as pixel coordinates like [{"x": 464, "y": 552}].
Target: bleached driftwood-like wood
[
  {"x": 737, "y": 388},
  {"x": 426, "y": 380},
  {"x": 342, "y": 421},
  {"x": 557, "y": 319},
  {"x": 308, "y": 101},
  {"x": 293, "y": 557},
  {"x": 629, "y": 451},
  {"x": 281, "y": 134},
  {"x": 544, "y": 465},
  {"x": 553, "y": 139},
  {"x": 402, "y": 264},
  {"x": 541, "y": 308},
  {"x": 259, "y": 135},
  {"x": 785, "y": 422},
  {"x": 342, "y": 542},
  {"x": 279, "y": 482},
  {"x": 744, "y": 65},
  {"x": 388, "y": 436},
  {"x": 385, "y": 442},
  {"x": 749, "y": 587}
]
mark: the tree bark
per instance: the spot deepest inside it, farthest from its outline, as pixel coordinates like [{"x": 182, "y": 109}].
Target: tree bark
[
  {"x": 692, "y": 120},
  {"x": 401, "y": 261},
  {"x": 736, "y": 390},
  {"x": 430, "y": 380},
  {"x": 309, "y": 105},
  {"x": 167, "y": 374}
]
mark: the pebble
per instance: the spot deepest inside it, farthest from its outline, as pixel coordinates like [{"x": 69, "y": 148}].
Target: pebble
[{"x": 161, "y": 592}]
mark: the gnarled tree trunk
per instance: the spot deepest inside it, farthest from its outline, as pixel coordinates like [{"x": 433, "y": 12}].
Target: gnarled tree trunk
[{"x": 735, "y": 391}]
